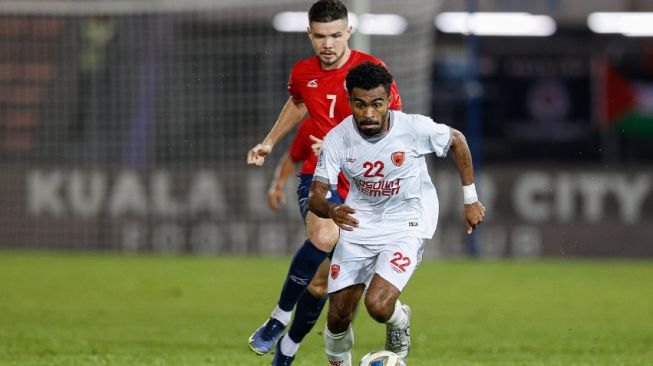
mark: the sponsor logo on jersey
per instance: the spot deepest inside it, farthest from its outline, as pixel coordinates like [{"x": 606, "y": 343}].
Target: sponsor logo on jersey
[
  {"x": 398, "y": 158},
  {"x": 312, "y": 83},
  {"x": 350, "y": 160},
  {"x": 335, "y": 271},
  {"x": 378, "y": 188},
  {"x": 412, "y": 224}
]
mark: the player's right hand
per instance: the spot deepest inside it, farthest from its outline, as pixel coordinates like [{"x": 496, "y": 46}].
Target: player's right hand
[
  {"x": 257, "y": 154},
  {"x": 341, "y": 215},
  {"x": 276, "y": 198},
  {"x": 316, "y": 146}
]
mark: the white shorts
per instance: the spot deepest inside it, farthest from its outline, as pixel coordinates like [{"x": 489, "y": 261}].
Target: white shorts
[{"x": 395, "y": 261}]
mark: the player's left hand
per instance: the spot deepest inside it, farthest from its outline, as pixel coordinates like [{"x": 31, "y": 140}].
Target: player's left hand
[
  {"x": 317, "y": 146},
  {"x": 474, "y": 214},
  {"x": 276, "y": 197}
]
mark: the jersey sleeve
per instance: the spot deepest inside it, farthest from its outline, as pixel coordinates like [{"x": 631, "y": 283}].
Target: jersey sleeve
[
  {"x": 293, "y": 88},
  {"x": 328, "y": 163},
  {"x": 432, "y": 136},
  {"x": 395, "y": 98}
]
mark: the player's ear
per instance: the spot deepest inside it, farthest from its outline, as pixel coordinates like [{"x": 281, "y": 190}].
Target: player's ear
[
  {"x": 348, "y": 31},
  {"x": 351, "y": 102},
  {"x": 309, "y": 32}
]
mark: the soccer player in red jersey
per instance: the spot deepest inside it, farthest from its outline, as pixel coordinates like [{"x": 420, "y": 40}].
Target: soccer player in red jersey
[
  {"x": 317, "y": 87},
  {"x": 300, "y": 149},
  {"x": 303, "y": 146}
]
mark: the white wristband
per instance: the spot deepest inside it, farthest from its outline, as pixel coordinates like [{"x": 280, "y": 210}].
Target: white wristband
[{"x": 469, "y": 194}]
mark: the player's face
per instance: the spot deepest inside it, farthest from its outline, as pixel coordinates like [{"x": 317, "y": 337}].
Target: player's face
[
  {"x": 329, "y": 41},
  {"x": 370, "y": 109}
]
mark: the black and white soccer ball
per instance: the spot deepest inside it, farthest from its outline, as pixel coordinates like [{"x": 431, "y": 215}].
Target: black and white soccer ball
[{"x": 381, "y": 358}]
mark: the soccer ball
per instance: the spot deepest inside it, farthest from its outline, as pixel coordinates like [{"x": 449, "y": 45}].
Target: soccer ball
[{"x": 381, "y": 358}]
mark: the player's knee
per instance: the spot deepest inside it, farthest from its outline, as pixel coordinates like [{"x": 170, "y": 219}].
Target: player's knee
[
  {"x": 323, "y": 239},
  {"x": 322, "y": 233},
  {"x": 339, "y": 319},
  {"x": 318, "y": 287},
  {"x": 378, "y": 309}
]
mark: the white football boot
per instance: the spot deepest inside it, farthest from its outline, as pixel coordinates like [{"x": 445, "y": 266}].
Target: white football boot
[{"x": 397, "y": 339}]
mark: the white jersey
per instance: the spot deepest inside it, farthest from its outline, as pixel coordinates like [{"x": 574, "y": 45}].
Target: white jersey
[{"x": 390, "y": 186}]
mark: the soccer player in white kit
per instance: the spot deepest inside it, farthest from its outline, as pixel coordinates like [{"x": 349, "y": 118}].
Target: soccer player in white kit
[{"x": 391, "y": 208}]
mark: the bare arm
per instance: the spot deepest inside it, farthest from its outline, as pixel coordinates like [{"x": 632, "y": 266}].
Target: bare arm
[
  {"x": 340, "y": 214},
  {"x": 276, "y": 195},
  {"x": 462, "y": 157},
  {"x": 290, "y": 115},
  {"x": 474, "y": 212}
]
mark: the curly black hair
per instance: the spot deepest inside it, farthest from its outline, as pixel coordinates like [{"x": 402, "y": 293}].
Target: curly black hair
[
  {"x": 326, "y": 11},
  {"x": 368, "y": 76}
]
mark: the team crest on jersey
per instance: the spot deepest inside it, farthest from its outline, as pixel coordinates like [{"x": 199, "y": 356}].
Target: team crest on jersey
[
  {"x": 398, "y": 158},
  {"x": 335, "y": 271},
  {"x": 312, "y": 83}
]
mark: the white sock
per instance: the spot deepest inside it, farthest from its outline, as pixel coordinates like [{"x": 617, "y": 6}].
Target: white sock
[
  {"x": 288, "y": 346},
  {"x": 338, "y": 346},
  {"x": 399, "y": 319},
  {"x": 281, "y": 315}
]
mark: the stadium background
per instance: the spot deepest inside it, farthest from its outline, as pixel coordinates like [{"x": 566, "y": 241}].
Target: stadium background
[{"x": 124, "y": 126}]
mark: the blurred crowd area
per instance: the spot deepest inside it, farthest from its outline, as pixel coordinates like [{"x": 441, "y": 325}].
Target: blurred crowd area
[{"x": 574, "y": 96}]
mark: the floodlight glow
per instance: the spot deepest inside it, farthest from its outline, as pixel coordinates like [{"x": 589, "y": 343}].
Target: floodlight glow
[
  {"x": 290, "y": 21},
  {"x": 496, "y": 24},
  {"x": 373, "y": 24},
  {"x": 628, "y": 24},
  {"x": 385, "y": 24}
]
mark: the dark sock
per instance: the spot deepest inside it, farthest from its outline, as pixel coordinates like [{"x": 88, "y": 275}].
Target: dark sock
[
  {"x": 306, "y": 315},
  {"x": 302, "y": 269}
]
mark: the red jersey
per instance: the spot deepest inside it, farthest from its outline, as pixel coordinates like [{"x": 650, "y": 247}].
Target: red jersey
[
  {"x": 300, "y": 150},
  {"x": 325, "y": 95}
]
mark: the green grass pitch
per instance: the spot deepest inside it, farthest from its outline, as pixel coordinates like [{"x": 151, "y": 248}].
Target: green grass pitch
[{"x": 92, "y": 309}]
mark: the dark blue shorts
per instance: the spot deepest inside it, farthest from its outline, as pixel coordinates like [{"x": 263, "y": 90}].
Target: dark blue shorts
[{"x": 304, "y": 188}]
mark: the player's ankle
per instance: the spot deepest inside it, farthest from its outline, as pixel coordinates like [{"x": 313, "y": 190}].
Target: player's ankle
[{"x": 281, "y": 315}]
